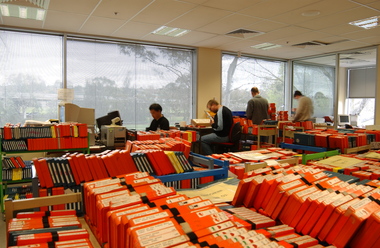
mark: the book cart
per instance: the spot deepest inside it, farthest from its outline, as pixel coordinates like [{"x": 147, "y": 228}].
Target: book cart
[
  {"x": 13, "y": 206},
  {"x": 34, "y": 181},
  {"x": 196, "y": 160}
]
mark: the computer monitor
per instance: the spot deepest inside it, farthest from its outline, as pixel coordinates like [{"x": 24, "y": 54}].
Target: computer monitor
[
  {"x": 115, "y": 114},
  {"x": 102, "y": 121},
  {"x": 344, "y": 120}
]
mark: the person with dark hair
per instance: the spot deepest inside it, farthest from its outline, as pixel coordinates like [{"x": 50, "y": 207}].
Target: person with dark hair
[
  {"x": 159, "y": 121},
  {"x": 257, "y": 107},
  {"x": 221, "y": 124},
  {"x": 305, "y": 109}
]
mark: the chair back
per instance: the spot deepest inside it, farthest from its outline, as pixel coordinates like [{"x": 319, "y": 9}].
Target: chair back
[{"x": 235, "y": 132}]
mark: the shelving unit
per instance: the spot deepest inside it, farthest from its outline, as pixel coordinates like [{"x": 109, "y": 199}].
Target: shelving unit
[{"x": 4, "y": 184}]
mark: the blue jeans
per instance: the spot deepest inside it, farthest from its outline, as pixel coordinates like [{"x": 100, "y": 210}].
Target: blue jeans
[{"x": 206, "y": 141}]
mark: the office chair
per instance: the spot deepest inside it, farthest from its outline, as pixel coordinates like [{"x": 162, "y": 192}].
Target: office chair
[{"x": 234, "y": 140}]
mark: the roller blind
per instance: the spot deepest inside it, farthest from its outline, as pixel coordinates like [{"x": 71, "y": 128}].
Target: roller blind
[{"x": 362, "y": 83}]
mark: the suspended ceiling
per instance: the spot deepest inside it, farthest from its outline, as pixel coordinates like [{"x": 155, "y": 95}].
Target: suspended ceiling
[{"x": 281, "y": 22}]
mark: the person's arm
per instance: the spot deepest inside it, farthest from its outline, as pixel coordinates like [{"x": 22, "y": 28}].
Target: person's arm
[
  {"x": 249, "y": 111},
  {"x": 153, "y": 126}
]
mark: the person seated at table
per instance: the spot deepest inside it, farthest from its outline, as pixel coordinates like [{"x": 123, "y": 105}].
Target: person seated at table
[
  {"x": 159, "y": 121},
  {"x": 221, "y": 125}
]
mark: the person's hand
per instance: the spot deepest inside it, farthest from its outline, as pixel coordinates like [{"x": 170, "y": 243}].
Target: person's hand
[{"x": 211, "y": 121}]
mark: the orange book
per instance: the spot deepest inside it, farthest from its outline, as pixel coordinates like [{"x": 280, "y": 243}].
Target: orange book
[
  {"x": 327, "y": 213},
  {"x": 282, "y": 186},
  {"x": 264, "y": 188},
  {"x": 366, "y": 236},
  {"x": 113, "y": 220},
  {"x": 156, "y": 233},
  {"x": 315, "y": 211},
  {"x": 123, "y": 224},
  {"x": 341, "y": 217},
  {"x": 354, "y": 222},
  {"x": 252, "y": 191},
  {"x": 241, "y": 191}
]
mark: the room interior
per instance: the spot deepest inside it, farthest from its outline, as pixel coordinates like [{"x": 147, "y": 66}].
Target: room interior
[{"x": 293, "y": 30}]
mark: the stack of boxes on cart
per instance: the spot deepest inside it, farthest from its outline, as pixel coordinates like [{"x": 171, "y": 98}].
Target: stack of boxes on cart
[{"x": 336, "y": 139}]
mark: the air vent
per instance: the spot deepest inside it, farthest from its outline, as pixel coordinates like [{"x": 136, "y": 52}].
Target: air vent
[
  {"x": 317, "y": 43},
  {"x": 312, "y": 43},
  {"x": 243, "y": 33}
]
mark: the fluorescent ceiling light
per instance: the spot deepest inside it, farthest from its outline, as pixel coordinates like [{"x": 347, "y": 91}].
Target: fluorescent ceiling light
[
  {"x": 4, "y": 10},
  {"x": 40, "y": 14},
  {"x": 23, "y": 12},
  {"x": 169, "y": 31},
  {"x": 367, "y": 23},
  {"x": 266, "y": 46}
]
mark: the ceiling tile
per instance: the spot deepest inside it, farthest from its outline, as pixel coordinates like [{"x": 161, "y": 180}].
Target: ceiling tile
[
  {"x": 192, "y": 1},
  {"x": 268, "y": 9},
  {"x": 61, "y": 21},
  {"x": 366, "y": 1},
  {"x": 135, "y": 30},
  {"x": 215, "y": 41},
  {"x": 198, "y": 17},
  {"x": 338, "y": 18},
  {"x": 125, "y": 9},
  {"x": 340, "y": 29},
  {"x": 163, "y": 11},
  {"x": 363, "y": 33},
  {"x": 281, "y": 33},
  {"x": 73, "y": 6},
  {"x": 266, "y": 26},
  {"x": 326, "y": 7},
  {"x": 20, "y": 22},
  {"x": 235, "y": 5},
  {"x": 196, "y": 37},
  {"x": 310, "y": 36},
  {"x": 101, "y": 26},
  {"x": 374, "y": 40},
  {"x": 229, "y": 23}
]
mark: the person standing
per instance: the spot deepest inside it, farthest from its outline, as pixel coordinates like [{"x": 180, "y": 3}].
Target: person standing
[
  {"x": 257, "y": 107},
  {"x": 159, "y": 121},
  {"x": 221, "y": 125},
  {"x": 305, "y": 109}
]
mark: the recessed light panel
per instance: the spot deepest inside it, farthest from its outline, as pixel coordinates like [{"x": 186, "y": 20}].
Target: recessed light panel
[
  {"x": 266, "y": 46},
  {"x": 169, "y": 31},
  {"x": 367, "y": 23}
]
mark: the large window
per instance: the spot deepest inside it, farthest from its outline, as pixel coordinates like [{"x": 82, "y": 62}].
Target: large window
[
  {"x": 316, "y": 82},
  {"x": 105, "y": 75},
  {"x": 240, "y": 74},
  {"x": 363, "y": 108},
  {"x": 130, "y": 77},
  {"x": 30, "y": 75},
  {"x": 361, "y": 94}
]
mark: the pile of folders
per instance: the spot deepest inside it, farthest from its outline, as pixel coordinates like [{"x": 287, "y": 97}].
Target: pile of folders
[
  {"x": 76, "y": 168},
  {"x": 59, "y": 229},
  {"x": 137, "y": 210},
  {"x": 15, "y": 168},
  {"x": 59, "y": 136},
  {"x": 332, "y": 209}
]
